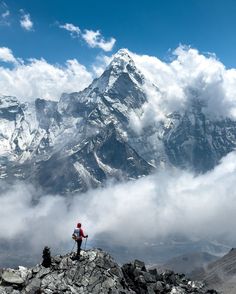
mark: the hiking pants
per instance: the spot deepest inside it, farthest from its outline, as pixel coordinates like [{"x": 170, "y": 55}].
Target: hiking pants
[{"x": 79, "y": 242}]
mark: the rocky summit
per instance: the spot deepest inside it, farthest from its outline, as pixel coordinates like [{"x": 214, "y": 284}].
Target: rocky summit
[{"x": 96, "y": 272}]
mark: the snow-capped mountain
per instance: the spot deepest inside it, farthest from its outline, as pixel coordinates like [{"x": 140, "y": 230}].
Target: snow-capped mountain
[{"x": 86, "y": 137}]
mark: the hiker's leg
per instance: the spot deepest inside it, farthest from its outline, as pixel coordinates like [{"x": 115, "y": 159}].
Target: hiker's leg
[{"x": 79, "y": 242}]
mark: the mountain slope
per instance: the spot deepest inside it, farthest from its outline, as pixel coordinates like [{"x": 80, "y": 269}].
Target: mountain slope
[
  {"x": 99, "y": 158},
  {"x": 195, "y": 141},
  {"x": 220, "y": 274},
  {"x": 50, "y": 143},
  {"x": 189, "y": 262}
]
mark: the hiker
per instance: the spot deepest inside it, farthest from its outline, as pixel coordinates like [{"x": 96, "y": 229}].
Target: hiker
[{"x": 78, "y": 236}]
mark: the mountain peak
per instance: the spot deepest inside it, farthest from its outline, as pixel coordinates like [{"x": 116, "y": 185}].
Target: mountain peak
[
  {"x": 121, "y": 59},
  {"x": 123, "y": 64},
  {"x": 121, "y": 70},
  {"x": 122, "y": 53}
]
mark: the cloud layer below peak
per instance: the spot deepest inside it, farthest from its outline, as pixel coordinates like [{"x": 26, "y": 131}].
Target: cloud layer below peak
[{"x": 169, "y": 203}]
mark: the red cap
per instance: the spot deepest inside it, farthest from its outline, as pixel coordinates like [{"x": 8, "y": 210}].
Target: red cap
[{"x": 79, "y": 225}]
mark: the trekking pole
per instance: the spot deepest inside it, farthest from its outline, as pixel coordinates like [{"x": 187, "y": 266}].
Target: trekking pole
[
  {"x": 73, "y": 247},
  {"x": 85, "y": 244}
]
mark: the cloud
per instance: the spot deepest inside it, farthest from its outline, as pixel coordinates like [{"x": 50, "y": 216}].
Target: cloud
[
  {"x": 25, "y": 21},
  {"x": 168, "y": 203},
  {"x": 144, "y": 211},
  {"x": 74, "y": 30},
  {"x": 35, "y": 78},
  {"x": 95, "y": 39},
  {"x": 6, "y": 55},
  {"x": 100, "y": 64},
  {"x": 172, "y": 86},
  {"x": 4, "y": 14}
]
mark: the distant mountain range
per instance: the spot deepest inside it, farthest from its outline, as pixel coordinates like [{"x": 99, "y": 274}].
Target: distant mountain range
[
  {"x": 189, "y": 262},
  {"x": 86, "y": 137}
]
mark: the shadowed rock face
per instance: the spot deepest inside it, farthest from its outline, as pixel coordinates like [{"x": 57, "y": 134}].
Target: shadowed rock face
[
  {"x": 103, "y": 156},
  {"x": 197, "y": 142},
  {"x": 96, "y": 272}
]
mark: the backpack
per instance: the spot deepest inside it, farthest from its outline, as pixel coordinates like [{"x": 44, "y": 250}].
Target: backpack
[{"x": 76, "y": 236}]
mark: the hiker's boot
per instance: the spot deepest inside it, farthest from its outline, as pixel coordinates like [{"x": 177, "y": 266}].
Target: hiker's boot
[{"x": 76, "y": 257}]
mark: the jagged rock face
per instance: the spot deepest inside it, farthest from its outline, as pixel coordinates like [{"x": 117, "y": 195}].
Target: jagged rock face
[
  {"x": 14, "y": 129},
  {"x": 196, "y": 142},
  {"x": 90, "y": 164},
  {"x": 96, "y": 272},
  {"x": 69, "y": 145}
]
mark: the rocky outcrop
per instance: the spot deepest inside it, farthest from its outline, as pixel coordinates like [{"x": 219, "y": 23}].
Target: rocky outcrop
[{"x": 96, "y": 272}]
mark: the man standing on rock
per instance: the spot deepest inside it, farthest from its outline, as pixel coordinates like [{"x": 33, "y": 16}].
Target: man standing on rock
[{"x": 78, "y": 236}]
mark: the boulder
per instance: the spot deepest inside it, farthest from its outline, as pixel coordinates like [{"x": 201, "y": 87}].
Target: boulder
[
  {"x": 33, "y": 286},
  {"x": 11, "y": 277}
]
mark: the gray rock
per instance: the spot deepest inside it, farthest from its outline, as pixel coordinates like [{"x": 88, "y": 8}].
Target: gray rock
[
  {"x": 57, "y": 259},
  {"x": 3, "y": 290},
  {"x": 158, "y": 286},
  {"x": 140, "y": 265},
  {"x": 36, "y": 269},
  {"x": 33, "y": 286},
  {"x": 155, "y": 274},
  {"x": 149, "y": 278},
  {"x": 177, "y": 290},
  {"x": 43, "y": 272},
  {"x": 12, "y": 277}
]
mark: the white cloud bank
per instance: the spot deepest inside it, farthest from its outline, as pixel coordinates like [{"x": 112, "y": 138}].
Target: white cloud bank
[
  {"x": 146, "y": 210},
  {"x": 189, "y": 75},
  {"x": 93, "y": 38},
  {"x": 37, "y": 78}
]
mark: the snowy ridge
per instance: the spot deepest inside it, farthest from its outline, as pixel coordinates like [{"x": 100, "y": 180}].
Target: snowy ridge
[{"x": 87, "y": 138}]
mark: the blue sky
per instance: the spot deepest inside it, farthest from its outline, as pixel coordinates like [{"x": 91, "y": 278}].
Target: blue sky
[{"x": 145, "y": 27}]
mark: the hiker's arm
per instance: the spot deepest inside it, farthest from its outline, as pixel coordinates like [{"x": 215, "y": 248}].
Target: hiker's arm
[{"x": 82, "y": 234}]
